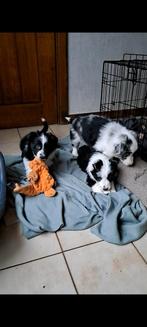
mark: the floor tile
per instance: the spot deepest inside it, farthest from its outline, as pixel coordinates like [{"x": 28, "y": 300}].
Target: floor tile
[
  {"x": 9, "y": 136},
  {"x": 141, "y": 245},
  {"x": 135, "y": 178},
  {"x": 25, "y": 130},
  {"x": 60, "y": 130},
  {"x": 104, "y": 268},
  {"x": 16, "y": 249},
  {"x": 72, "y": 239},
  {"x": 46, "y": 276},
  {"x": 10, "y": 148}
]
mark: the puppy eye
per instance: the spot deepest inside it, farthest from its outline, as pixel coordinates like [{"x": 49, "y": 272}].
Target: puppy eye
[
  {"x": 110, "y": 177},
  {"x": 46, "y": 146},
  {"x": 127, "y": 154},
  {"x": 38, "y": 147},
  {"x": 99, "y": 178}
]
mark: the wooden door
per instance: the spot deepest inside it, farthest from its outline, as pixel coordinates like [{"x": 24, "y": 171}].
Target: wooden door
[{"x": 33, "y": 78}]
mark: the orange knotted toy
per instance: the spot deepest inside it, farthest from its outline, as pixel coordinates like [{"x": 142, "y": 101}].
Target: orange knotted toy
[{"x": 40, "y": 180}]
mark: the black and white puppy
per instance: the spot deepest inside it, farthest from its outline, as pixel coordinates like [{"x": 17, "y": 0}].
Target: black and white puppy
[
  {"x": 38, "y": 144},
  {"x": 104, "y": 135},
  {"x": 102, "y": 172}
]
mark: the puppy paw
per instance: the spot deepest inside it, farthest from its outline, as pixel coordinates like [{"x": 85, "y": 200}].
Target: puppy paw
[
  {"x": 128, "y": 162},
  {"x": 74, "y": 152},
  {"x": 16, "y": 188},
  {"x": 96, "y": 189},
  {"x": 113, "y": 188}
]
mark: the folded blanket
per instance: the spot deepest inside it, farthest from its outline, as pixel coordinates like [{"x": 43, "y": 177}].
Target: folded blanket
[{"x": 117, "y": 218}]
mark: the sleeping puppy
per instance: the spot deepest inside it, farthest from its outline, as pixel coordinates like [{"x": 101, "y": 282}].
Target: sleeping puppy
[
  {"x": 101, "y": 171},
  {"x": 104, "y": 135},
  {"x": 38, "y": 144}
]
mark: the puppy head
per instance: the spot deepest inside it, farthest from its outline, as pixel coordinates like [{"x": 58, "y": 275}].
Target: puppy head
[
  {"x": 38, "y": 144},
  {"x": 125, "y": 147},
  {"x": 103, "y": 171}
]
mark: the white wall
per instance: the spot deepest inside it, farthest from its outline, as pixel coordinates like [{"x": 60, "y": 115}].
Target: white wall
[{"x": 86, "y": 53}]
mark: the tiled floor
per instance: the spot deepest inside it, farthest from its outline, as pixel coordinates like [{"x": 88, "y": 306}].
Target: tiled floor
[{"x": 65, "y": 262}]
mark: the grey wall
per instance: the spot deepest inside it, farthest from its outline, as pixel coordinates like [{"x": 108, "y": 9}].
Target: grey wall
[{"x": 86, "y": 53}]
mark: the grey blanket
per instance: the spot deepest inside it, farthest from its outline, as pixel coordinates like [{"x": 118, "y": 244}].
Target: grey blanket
[{"x": 117, "y": 218}]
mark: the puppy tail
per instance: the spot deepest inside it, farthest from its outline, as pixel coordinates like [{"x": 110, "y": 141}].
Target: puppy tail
[
  {"x": 45, "y": 125},
  {"x": 68, "y": 119}
]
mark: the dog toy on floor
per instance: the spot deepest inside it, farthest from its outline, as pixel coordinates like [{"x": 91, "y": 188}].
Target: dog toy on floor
[{"x": 40, "y": 181}]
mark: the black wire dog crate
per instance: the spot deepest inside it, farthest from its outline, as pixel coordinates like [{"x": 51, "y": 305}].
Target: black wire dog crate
[
  {"x": 124, "y": 87},
  {"x": 124, "y": 94}
]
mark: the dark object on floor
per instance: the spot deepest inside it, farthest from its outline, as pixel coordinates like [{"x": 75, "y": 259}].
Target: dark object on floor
[
  {"x": 131, "y": 123},
  {"x": 2, "y": 185},
  {"x": 139, "y": 125},
  {"x": 142, "y": 138}
]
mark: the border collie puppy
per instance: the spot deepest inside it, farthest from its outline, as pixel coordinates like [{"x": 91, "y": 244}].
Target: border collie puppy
[
  {"x": 101, "y": 171},
  {"x": 38, "y": 144},
  {"x": 104, "y": 135}
]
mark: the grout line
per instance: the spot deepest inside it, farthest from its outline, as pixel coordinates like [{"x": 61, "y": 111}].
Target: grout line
[
  {"x": 81, "y": 246},
  {"x": 139, "y": 253},
  {"x": 29, "y": 261},
  {"x": 67, "y": 265},
  {"x": 50, "y": 128},
  {"x": 19, "y": 133},
  {"x": 50, "y": 255}
]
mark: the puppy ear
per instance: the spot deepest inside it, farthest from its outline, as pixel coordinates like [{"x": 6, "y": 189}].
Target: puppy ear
[
  {"x": 134, "y": 134},
  {"x": 84, "y": 154},
  {"x": 128, "y": 141},
  {"x": 84, "y": 151},
  {"x": 25, "y": 146},
  {"x": 122, "y": 146},
  {"x": 114, "y": 162},
  {"x": 97, "y": 165},
  {"x": 117, "y": 148}
]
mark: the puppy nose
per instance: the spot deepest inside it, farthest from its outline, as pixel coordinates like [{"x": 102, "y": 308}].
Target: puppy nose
[
  {"x": 132, "y": 164},
  {"x": 105, "y": 188},
  {"x": 42, "y": 156}
]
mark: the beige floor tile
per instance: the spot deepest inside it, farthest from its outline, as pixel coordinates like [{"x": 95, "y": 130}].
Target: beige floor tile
[
  {"x": 25, "y": 130},
  {"x": 10, "y": 217},
  {"x": 9, "y": 136},
  {"x": 141, "y": 245},
  {"x": 60, "y": 130},
  {"x": 10, "y": 148},
  {"x": 135, "y": 178},
  {"x": 46, "y": 276},
  {"x": 104, "y": 268},
  {"x": 16, "y": 249},
  {"x": 71, "y": 239}
]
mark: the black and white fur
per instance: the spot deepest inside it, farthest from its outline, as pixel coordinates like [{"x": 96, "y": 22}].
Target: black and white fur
[
  {"x": 104, "y": 135},
  {"x": 101, "y": 171},
  {"x": 38, "y": 144}
]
